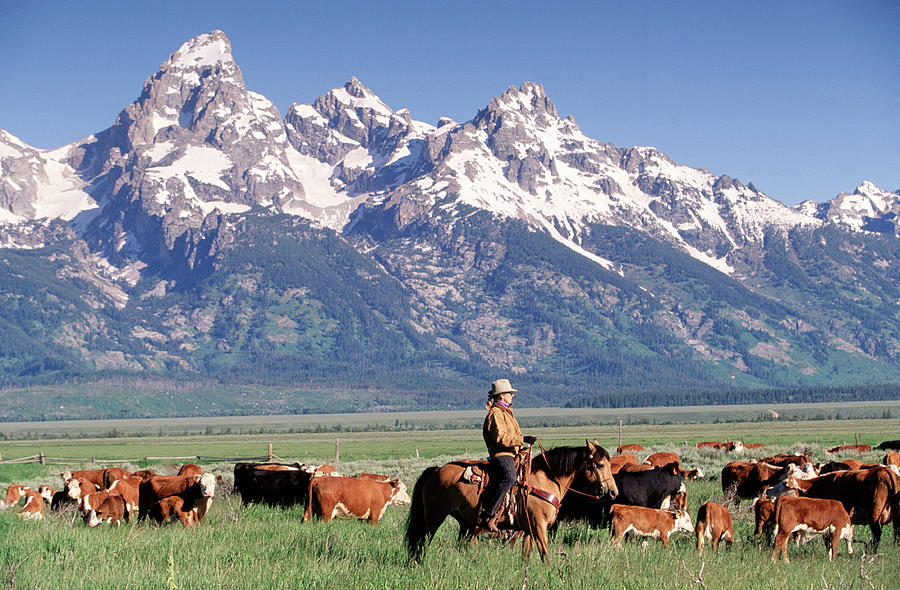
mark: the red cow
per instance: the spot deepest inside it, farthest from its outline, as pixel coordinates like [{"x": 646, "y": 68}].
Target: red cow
[
  {"x": 13, "y": 494},
  {"x": 111, "y": 511},
  {"x": 811, "y": 516},
  {"x": 753, "y": 446},
  {"x": 628, "y": 449},
  {"x": 46, "y": 493},
  {"x": 363, "y": 498},
  {"x": 647, "y": 522},
  {"x": 713, "y": 524},
  {"x": 170, "y": 508},
  {"x": 34, "y": 505}
]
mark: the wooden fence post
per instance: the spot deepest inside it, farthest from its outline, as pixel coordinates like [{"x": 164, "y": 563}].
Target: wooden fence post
[
  {"x": 337, "y": 450},
  {"x": 41, "y": 458},
  {"x": 270, "y": 451},
  {"x": 620, "y": 433}
]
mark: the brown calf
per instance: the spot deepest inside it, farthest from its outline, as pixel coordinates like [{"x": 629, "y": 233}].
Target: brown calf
[
  {"x": 713, "y": 524},
  {"x": 811, "y": 516},
  {"x": 764, "y": 515},
  {"x": 13, "y": 494},
  {"x": 170, "y": 508},
  {"x": 111, "y": 510},
  {"x": 646, "y": 522},
  {"x": 34, "y": 505},
  {"x": 892, "y": 458}
]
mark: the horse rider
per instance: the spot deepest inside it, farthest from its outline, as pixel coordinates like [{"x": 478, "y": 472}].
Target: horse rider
[{"x": 503, "y": 438}]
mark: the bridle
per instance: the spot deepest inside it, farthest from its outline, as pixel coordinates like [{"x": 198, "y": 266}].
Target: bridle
[{"x": 590, "y": 459}]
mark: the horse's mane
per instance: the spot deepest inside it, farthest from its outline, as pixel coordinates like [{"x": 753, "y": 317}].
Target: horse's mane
[{"x": 563, "y": 460}]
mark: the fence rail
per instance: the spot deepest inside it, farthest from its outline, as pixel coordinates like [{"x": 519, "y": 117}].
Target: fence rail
[{"x": 45, "y": 460}]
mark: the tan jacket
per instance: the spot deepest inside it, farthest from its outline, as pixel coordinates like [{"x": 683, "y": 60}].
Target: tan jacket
[{"x": 501, "y": 432}]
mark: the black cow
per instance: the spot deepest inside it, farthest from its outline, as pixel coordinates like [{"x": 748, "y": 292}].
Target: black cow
[
  {"x": 636, "y": 488},
  {"x": 282, "y": 488},
  {"x": 889, "y": 445}
]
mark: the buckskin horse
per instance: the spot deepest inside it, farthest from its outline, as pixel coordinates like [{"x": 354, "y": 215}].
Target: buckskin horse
[{"x": 443, "y": 491}]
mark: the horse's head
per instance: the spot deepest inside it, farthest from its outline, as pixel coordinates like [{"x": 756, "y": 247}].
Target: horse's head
[{"x": 599, "y": 473}]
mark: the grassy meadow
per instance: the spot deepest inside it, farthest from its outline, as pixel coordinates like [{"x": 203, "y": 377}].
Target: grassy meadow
[{"x": 266, "y": 547}]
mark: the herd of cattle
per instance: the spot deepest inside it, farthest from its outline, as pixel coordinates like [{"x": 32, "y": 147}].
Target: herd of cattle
[
  {"x": 792, "y": 497},
  {"x": 114, "y": 494}
]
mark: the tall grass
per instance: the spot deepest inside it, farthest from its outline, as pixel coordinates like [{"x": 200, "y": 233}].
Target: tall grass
[{"x": 265, "y": 547}]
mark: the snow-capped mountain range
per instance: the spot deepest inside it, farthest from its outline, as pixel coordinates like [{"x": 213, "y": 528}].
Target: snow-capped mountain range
[
  {"x": 185, "y": 174},
  {"x": 197, "y": 143}
]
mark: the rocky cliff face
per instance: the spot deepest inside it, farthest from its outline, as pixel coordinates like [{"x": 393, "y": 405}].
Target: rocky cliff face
[{"x": 515, "y": 240}]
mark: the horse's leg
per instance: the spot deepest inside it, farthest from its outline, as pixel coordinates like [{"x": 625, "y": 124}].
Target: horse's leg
[
  {"x": 541, "y": 540},
  {"x": 526, "y": 545}
]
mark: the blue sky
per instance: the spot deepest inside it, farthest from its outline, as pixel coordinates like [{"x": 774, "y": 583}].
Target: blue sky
[{"x": 800, "y": 98}]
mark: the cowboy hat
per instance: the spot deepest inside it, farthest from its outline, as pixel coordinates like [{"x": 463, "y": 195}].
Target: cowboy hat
[{"x": 501, "y": 386}]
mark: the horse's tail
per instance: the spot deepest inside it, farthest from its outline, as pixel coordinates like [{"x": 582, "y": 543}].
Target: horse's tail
[{"x": 417, "y": 533}]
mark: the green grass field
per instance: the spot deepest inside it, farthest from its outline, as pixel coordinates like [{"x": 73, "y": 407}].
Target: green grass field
[{"x": 265, "y": 547}]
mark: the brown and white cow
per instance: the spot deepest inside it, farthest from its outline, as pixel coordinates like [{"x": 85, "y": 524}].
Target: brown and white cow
[
  {"x": 811, "y": 516},
  {"x": 867, "y": 494},
  {"x": 713, "y": 524},
  {"x": 617, "y": 462},
  {"x": 747, "y": 479},
  {"x": 34, "y": 505},
  {"x": 646, "y": 522},
  {"x": 102, "y": 478},
  {"x": 46, "y": 493},
  {"x": 621, "y": 449},
  {"x": 197, "y": 491},
  {"x": 171, "y": 508},
  {"x": 129, "y": 489},
  {"x": 850, "y": 449},
  {"x": 784, "y": 459},
  {"x": 111, "y": 510},
  {"x": 78, "y": 487},
  {"x": 891, "y": 458},
  {"x": 14, "y": 493},
  {"x": 753, "y": 446},
  {"x": 363, "y": 498}
]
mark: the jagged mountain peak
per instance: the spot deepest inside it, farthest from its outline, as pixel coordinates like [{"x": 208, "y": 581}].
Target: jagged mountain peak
[
  {"x": 529, "y": 98},
  {"x": 209, "y": 49}
]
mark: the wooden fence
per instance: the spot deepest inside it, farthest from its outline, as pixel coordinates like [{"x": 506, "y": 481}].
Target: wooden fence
[{"x": 45, "y": 460}]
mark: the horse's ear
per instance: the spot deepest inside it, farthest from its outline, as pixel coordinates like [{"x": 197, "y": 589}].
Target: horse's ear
[{"x": 590, "y": 446}]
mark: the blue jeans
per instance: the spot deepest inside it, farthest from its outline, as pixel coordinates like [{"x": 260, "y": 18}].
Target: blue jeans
[{"x": 502, "y": 477}]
